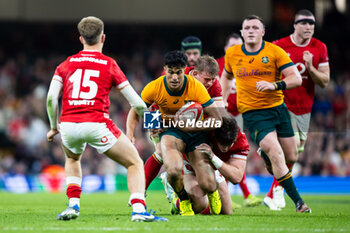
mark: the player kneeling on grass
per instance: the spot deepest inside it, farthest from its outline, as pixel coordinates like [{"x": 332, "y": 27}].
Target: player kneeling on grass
[
  {"x": 85, "y": 80},
  {"x": 227, "y": 149}
]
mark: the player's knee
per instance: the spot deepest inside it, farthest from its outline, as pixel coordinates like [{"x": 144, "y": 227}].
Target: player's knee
[
  {"x": 132, "y": 160},
  {"x": 138, "y": 162},
  {"x": 237, "y": 179},
  {"x": 292, "y": 156},
  {"x": 292, "y": 159}
]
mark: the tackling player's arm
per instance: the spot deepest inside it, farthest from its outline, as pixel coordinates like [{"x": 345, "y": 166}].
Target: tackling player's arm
[
  {"x": 53, "y": 95},
  {"x": 209, "y": 107},
  {"x": 232, "y": 170},
  {"x": 320, "y": 76},
  {"x": 220, "y": 105},
  {"x": 213, "y": 115}
]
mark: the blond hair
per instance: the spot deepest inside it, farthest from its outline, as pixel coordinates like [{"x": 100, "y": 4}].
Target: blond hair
[
  {"x": 91, "y": 29},
  {"x": 208, "y": 64}
]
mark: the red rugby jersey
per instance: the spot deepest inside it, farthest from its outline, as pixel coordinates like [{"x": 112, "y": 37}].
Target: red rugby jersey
[
  {"x": 239, "y": 149},
  {"x": 299, "y": 100},
  {"x": 87, "y": 79}
]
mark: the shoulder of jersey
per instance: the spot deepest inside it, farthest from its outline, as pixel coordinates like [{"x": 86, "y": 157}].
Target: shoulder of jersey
[
  {"x": 282, "y": 41},
  {"x": 189, "y": 69},
  {"x": 158, "y": 80},
  {"x": 268, "y": 44},
  {"x": 317, "y": 42}
]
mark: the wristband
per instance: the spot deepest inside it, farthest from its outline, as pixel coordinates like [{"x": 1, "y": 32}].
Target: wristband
[
  {"x": 217, "y": 162},
  {"x": 275, "y": 85},
  {"x": 281, "y": 85}
]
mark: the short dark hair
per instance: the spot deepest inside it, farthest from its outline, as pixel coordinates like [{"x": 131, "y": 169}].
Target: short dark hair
[
  {"x": 227, "y": 133},
  {"x": 90, "y": 28},
  {"x": 208, "y": 64},
  {"x": 175, "y": 58},
  {"x": 303, "y": 12},
  {"x": 251, "y": 17},
  {"x": 191, "y": 42},
  {"x": 232, "y": 35}
]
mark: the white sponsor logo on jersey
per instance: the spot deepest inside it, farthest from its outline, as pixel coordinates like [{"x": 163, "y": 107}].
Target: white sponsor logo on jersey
[{"x": 90, "y": 59}]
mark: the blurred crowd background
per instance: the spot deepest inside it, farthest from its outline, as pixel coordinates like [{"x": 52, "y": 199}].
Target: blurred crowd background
[{"x": 30, "y": 51}]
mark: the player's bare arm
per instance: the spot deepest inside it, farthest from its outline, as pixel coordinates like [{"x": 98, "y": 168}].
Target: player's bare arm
[
  {"x": 137, "y": 109},
  {"x": 131, "y": 123},
  {"x": 221, "y": 106},
  {"x": 213, "y": 115},
  {"x": 232, "y": 170},
  {"x": 320, "y": 76},
  {"x": 292, "y": 79}
]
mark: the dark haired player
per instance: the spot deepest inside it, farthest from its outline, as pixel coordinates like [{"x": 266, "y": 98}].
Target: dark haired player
[{"x": 170, "y": 93}]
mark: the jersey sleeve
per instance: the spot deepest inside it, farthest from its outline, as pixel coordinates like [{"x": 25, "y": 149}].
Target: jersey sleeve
[
  {"x": 118, "y": 77},
  {"x": 240, "y": 148},
  {"x": 59, "y": 74},
  {"x": 147, "y": 94},
  {"x": 282, "y": 59},
  {"x": 324, "y": 55}
]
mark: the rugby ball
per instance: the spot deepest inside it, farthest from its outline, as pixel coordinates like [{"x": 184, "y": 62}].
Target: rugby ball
[{"x": 191, "y": 110}]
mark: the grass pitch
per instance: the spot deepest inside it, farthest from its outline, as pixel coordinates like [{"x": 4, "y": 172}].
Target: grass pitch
[{"x": 101, "y": 212}]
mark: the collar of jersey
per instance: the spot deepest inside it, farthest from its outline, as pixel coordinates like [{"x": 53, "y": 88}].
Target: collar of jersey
[
  {"x": 178, "y": 93},
  {"x": 91, "y": 51},
  {"x": 253, "y": 53},
  {"x": 298, "y": 45}
]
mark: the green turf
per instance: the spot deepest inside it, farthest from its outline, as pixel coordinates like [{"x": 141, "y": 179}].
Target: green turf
[{"x": 101, "y": 212}]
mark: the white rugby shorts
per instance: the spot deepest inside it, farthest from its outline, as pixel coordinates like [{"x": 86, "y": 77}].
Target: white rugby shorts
[
  {"x": 300, "y": 125},
  {"x": 101, "y": 136}
]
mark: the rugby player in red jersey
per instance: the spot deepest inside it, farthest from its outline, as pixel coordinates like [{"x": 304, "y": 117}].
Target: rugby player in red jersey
[
  {"x": 227, "y": 148},
  {"x": 85, "y": 81},
  {"x": 311, "y": 58}
]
